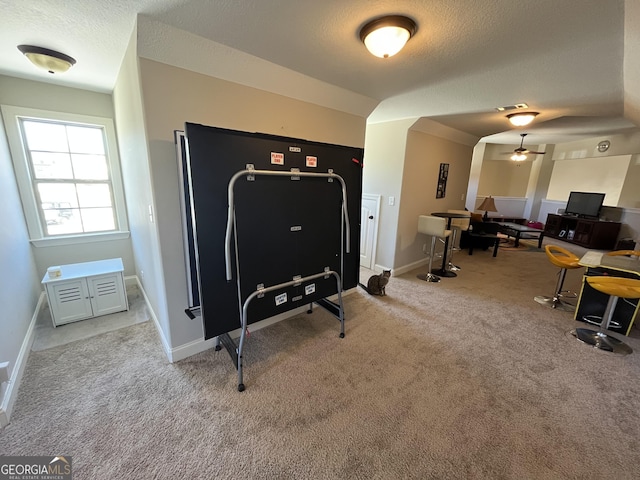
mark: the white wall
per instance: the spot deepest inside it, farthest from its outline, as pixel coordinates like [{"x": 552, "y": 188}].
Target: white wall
[
  {"x": 631, "y": 62},
  {"x": 19, "y": 279},
  {"x": 505, "y": 206},
  {"x": 589, "y": 175},
  {"x": 629, "y": 196},
  {"x": 477, "y": 159},
  {"x": 541, "y": 170},
  {"x": 621, "y": 144},
  {"x": 615, "y": 172}
]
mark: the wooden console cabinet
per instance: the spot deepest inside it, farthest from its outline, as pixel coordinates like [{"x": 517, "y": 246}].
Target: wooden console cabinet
[{"x": 581, "y": 231}]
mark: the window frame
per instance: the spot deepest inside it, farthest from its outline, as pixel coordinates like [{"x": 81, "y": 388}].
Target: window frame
[{"x": 26, "y": 184}]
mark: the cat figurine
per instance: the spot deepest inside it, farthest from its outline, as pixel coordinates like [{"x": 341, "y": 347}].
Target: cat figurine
[{"x": 377, "y": 283}]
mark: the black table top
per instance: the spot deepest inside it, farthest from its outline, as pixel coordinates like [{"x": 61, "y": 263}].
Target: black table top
[{"x": 449, "y": 215}]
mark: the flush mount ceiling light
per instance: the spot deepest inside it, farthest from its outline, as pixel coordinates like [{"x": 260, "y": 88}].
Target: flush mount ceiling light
[
  {"x": 49, "y": 60},
  {"x": 386, "y": 36},
  {"x": 522, "y": 119}
]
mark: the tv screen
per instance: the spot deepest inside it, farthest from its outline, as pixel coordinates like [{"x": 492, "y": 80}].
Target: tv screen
[{"x": 585, "y": 204}]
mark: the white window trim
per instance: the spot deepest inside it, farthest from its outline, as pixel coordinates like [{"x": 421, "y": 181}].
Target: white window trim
[{"x": 12, "y": 115}]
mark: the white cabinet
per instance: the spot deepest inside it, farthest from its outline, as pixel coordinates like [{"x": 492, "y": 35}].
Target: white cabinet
[{"x": 85, "y": 290}]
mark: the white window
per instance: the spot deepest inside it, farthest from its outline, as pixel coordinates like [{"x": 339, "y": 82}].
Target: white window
[{"x": 68, "y": 174}]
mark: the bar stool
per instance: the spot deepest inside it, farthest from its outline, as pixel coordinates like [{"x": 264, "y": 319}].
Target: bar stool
[
  {"x": 436, "y": 227},
  {"x": 458, "y": 225},
  {"x": 597, "y": 319},
  {"x": 563, "y": 258},
  {"x": 615, "y": 287}
]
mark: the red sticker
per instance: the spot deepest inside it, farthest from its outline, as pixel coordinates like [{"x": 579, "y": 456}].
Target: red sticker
[
  {"x": 277, "y": 158},
  {"x": 312, "y": 161}
]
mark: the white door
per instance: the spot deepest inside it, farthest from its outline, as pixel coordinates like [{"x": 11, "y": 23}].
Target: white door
[{"x": 369, "y": 229}]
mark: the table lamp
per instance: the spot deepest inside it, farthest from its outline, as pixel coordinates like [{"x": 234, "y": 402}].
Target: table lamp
[{"x": 488, "y": 205}]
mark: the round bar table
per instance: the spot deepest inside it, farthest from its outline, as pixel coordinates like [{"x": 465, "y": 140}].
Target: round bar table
[{"x": 442, "y": 271}]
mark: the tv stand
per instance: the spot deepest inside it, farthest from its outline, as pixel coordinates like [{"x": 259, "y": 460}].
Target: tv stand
[{"x": 586, "y": 232}]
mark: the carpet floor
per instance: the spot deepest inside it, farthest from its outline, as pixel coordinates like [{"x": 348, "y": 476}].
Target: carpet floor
[{"x": 467, "y": 378}]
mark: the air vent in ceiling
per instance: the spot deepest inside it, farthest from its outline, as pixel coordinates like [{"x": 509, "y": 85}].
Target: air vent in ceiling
[{"x": 517, "y": 106}]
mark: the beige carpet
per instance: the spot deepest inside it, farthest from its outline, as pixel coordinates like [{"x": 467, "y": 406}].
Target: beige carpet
[{"x": 468, "y": 378}]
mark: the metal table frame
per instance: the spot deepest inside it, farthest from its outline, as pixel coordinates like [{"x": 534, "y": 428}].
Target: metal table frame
[{"x": 224, "y": 339}]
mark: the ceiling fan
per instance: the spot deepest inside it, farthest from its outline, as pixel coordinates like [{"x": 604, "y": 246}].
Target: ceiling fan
[{"x": 520, "y": 153}]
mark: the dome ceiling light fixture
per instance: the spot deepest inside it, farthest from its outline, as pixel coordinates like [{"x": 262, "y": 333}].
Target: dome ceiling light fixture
[
  {"x": 521, "y": 119},
  {"x": 386, "y": 36},
  {"x": 49, "y": 60}
]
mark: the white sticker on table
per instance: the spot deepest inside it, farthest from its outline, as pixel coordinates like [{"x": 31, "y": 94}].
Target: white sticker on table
[
  {"x": 309, "y": 289},
  {"x": 280, "y": 299},
  {"x": 312, "y": 161}
]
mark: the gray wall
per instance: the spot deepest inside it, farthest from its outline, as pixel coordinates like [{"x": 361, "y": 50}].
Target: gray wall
[
  {"x": 405, "y": 163},
  {"x": 44, "y": 96},
  {"x": 384, "y": 157},
  {"x": 424, "y": 154},
  {"x": 23, "y": 265},
  {"x": 134, "y": 157},
  {"x": 151, "y": 100},
  {"x": 20, "y": 280}
]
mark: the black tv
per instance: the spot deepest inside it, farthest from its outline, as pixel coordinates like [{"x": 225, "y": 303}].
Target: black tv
[{"x": 584, "y": 204}]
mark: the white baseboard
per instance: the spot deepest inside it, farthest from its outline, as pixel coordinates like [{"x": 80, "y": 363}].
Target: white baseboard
[
  {"x": 188, "y": 349},
  {"x": 379, "y": 268},
  {"x": 13, "y": 385},
  {"x": 192, "y": 348},
  {"x": 410, "y": 266}
]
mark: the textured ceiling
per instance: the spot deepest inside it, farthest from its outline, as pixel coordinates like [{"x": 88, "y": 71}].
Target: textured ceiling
[{"x": 563, "y": 58}]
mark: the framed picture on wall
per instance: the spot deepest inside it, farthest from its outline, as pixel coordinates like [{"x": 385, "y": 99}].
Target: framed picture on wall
[{"x": 442, "y": 180}]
